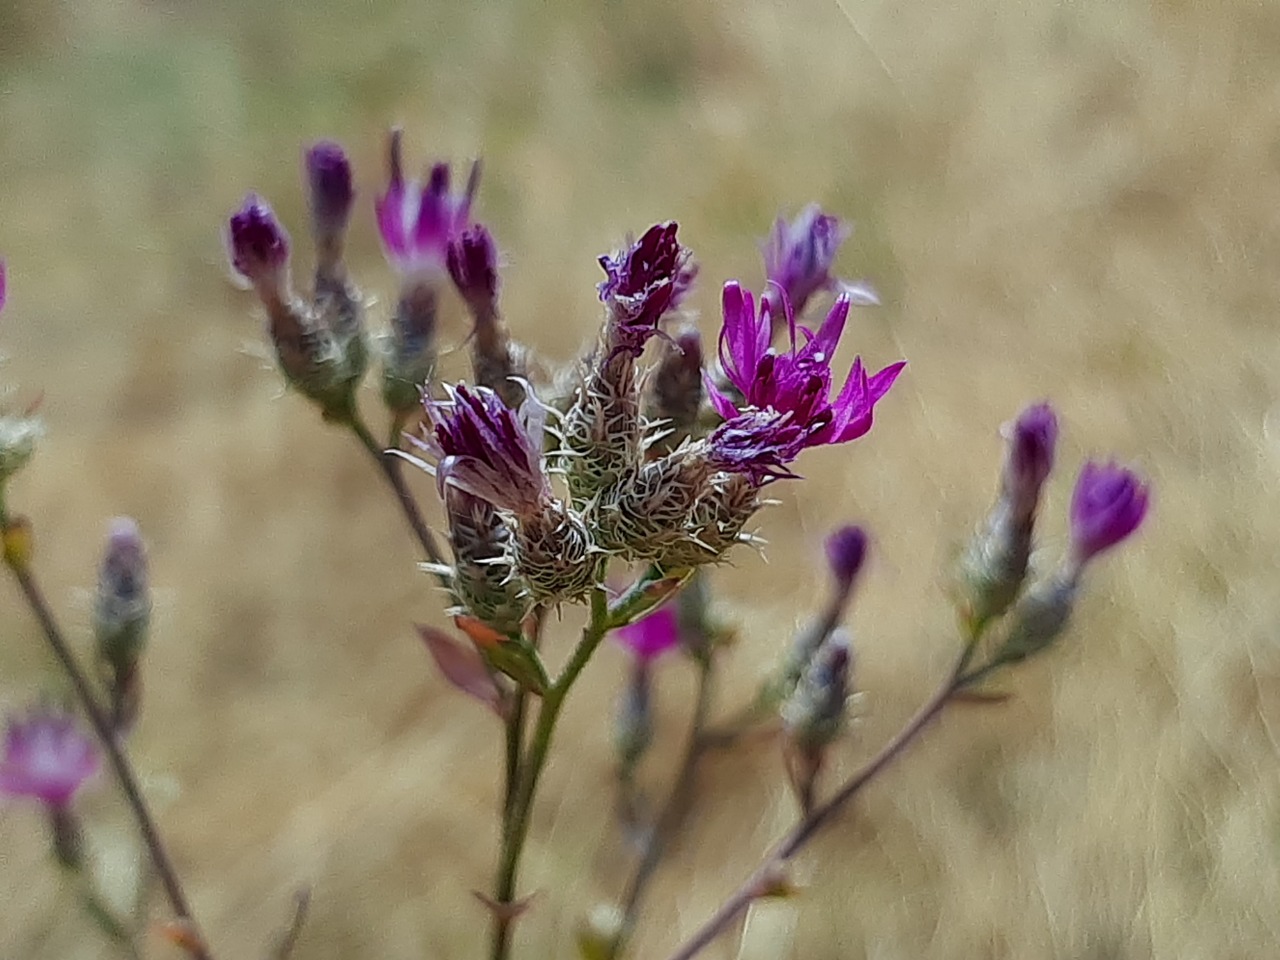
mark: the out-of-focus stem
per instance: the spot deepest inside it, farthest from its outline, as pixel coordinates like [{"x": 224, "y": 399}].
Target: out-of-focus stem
[{"x": 101, "y": 724}]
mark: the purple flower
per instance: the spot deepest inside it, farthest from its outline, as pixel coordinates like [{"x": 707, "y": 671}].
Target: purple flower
[
  {"x": 790, "y": 393},
  {"x": 846, "y": 551},
  {"x": 642, "y": 283},
  {"x": 798, "y": 255},
  {"x": 1032, "y": 439},
  {"x": 417, "y": 221},
  {"x": 46, "y": 757},
  {"x": 330, "y": 192},
  {"x": 652, "y": 635},
  {"x": 473, "y": 265},
  {"x": 490, "y": 451},
  {"x": 1108, "y": 505},
  {"x": 3, "y": 285},
  {"x": 259, "y": 244}
]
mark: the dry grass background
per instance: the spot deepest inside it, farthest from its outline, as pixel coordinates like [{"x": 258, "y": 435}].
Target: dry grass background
[{"x": 1072, "y": 200}]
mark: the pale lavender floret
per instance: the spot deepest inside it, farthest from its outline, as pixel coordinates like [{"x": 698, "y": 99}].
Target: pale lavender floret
[
  {"x": 653, "y": 635},
  {"x": 46, "y": 757},
  {"x": 798, "y": 254},
  {"x": 418, "y": 221},
  {"x": 259, "y": 245},
  {"x": 1108, "y": 505},
  {"x": 793, "y": 386},
  {"x": 485, "y": 448}
]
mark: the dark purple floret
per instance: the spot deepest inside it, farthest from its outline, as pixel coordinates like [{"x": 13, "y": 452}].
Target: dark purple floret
[
  {"x": 1032, "y": 441},
  {"x": 760, "y": 444},
  {"x": 643, "y": 282},
  {"x": 473, "y": 265},
  {"x": 259, "y": 244},
  {"x": 1107, "y": 506},
  {"x": 331, "y": 191},
  {"x": 846, "y": 551},
  {"x": 490, "y": 451},
  {"x": 798, "y": 254}
]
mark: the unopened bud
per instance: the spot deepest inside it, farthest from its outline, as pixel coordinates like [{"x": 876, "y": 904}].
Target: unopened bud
[
  {"x": 1039, "y": 618},
  {"x": 122, "y": 616},
  {"x": 410, "y": 359},
  {"x": 677, "y": 392},
  {"x": 259, "y": 245},
  {"x": 1032, "y": 439},
  {"x": 330, "y": 196},
  {"x": 473, "y": 267},
  {"x": 19, "y": 433},
  {"x": 846, "y": 551},
  {"x": 66, "y": 837},
  {"x": 1109, "y": 504},
  {"x": 814, "y": 714}
]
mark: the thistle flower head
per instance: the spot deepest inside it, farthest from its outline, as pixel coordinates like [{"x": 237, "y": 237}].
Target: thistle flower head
[
  {"x": 643, "y": 282},
  {"x": 330, "y": 192},
  {"x": 490, "y": 451},
  {"x": 797, "y": 381},
  {"x": 46, "y": 757},
  {"x": 259, "y": 244},
  {"x": 418, "y": 221},
  {"x": 798, "y": 254},
  {"x": 1107, "y": 506},
  {"x": 473, "y": 265},
  {"x": 652, "y": 635},
  {"x": 1032, "y": 440},
  {"x": 758, "y": 444}
]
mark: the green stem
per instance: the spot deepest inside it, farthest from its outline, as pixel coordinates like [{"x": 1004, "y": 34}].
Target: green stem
[{"x": 515, "y": 827}]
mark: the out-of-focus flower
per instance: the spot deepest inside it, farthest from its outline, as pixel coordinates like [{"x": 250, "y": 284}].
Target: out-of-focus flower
[
  {"x": 1033, "y": 438},
  {"x": 3, "y": 285},
  {"x": 786, "y": 397},
  {"x": 330, "y": 192},
  {"x": 259, "y": 244},
  {"x": 1107, "y": 506},
  {"x": 653, "y": 635},
  {"x": 473, "y": 265},
  {"x": 417, "y": 221},
  {"x": 490, "y": 451},
  {"x": 846, "y": 549},
  {"x": 798, "y": 255},
  {"x": 46, "y": 757},
  {"x": 642, "y": 283},
  {"x": 676, "y": 392}
]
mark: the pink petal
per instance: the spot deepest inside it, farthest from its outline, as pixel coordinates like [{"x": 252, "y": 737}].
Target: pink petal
[{"x": 462, "y": 667}]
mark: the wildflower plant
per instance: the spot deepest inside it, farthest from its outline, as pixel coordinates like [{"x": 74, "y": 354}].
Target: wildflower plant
[{"x": 652, "y": 468}]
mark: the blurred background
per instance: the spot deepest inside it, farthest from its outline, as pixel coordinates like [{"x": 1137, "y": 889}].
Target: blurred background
[{"x": 1075, "y": 201}]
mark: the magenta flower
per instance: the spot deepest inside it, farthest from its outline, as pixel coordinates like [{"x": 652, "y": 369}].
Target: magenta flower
[
  {"x": 787, "y": 395},
  {"x": 798, "y": 255},
  {"x": 642, "y": 283},
  {"x": 417, "y": 221},
  {"x": 485, "y": 448},
  {"x": 652, "y": 635},
  {"x": 46, "y": 757},
  {"x": 259, "y": 244},
  {"x": 1108, "y": 505}
]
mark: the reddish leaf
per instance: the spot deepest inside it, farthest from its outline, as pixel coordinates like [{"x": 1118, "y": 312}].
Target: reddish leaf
[
  {"x": 463, "y": 668},
  {"x": 481, "y": 634},
  {"x": 506, "y": 912}
]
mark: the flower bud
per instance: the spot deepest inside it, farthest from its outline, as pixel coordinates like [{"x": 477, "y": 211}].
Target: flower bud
[
  {"x": 259, "y": 245},
  {"x": 483, "y": 582},
  {"x": 497, "y": 362},
  {"x": 1032, "y": 441},
  {"x": 798, "y": 255},
  {"x": 846, "y": 550},
  {"x": 473, "y": 267},
  {"x": 1107, "y": 506},
  {"x": 330, "y": 196},
  {"x": 3, "y": 285},
  {"x": 676, "y": 391},
  {"x": 633, "y": 722},
  {"x": 19, "y": 433},
  {"x": 410, "y": 359},
  {"x": 122, "y": 616},
  {"x": 814, "y": 714},
  {"x": 1038, "y": 618}
]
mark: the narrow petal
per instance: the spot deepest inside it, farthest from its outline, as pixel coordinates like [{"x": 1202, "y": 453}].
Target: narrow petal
[{"x": 832, "y": 328}]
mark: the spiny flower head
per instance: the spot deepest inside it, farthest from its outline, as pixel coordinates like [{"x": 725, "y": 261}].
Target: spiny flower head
[
  {"x": 1107, "y": 506},
  {"x": 787, "y": 396},
  {"x": 798, "y": 254},
  {"x": 46, "y": 757},
  {"x": 259, "y": 244},
  {"x": 653, "y": 634},
  {"x": 418, "y": 221},
  {"x": 490, "y": 451},
  {"x": 643, "y": 282}
]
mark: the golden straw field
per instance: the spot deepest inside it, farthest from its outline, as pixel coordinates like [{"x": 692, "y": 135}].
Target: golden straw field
[{"x": 1075, "y": 201}]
